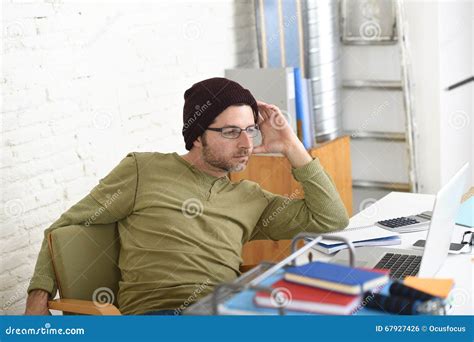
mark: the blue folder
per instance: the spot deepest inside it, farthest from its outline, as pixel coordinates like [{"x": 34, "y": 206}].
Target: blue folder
[
  {"x": 466, "y": 213},
  {"x": 302, "y": 110}
]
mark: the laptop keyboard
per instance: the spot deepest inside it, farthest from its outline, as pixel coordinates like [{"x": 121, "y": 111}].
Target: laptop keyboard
[{"x": 400, "y": 265}]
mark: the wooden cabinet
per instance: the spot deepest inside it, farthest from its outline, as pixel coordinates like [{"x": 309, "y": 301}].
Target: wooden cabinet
[{"x": 273, "y": 173}]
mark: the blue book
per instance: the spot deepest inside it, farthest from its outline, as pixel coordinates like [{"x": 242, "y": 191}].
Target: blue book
[
  {"x": 335, "y": 277},
  {"x": 466, "y": 213},
  {"x": 302, "y": 113}
]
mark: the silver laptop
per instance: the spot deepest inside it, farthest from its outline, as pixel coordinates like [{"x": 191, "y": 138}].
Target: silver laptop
[{"x": 426, "y": 263}]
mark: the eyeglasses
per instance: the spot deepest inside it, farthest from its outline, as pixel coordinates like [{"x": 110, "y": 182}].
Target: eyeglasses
[{"x": 233, "y": 132}]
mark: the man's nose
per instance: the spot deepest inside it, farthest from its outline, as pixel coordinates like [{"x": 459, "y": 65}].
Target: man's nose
[{"x": 245, "y": 140}]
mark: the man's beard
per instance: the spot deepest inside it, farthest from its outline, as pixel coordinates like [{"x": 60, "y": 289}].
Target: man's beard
[{"x": 221, "y": 162}]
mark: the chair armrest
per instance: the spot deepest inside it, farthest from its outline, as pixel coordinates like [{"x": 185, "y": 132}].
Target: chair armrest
[
  {"x": 246, "y": 268},
  {"x": 85, "y": 307}
]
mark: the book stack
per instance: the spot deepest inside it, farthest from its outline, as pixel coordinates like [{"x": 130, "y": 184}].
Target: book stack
[
  {"x": 324, "y": 288},
  {"x": 313, "y": 288}
]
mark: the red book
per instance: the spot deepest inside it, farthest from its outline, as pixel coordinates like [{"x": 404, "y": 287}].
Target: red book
[{"x": 296, "y": 297}]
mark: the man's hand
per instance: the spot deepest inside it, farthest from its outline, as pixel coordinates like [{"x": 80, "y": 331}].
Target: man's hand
[
  {"x": 37, "y": 303},
  {"x": 278, "y": 136}
]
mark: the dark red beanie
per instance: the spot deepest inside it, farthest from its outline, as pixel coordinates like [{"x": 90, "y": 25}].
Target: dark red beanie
[{"x": 205, "y": 100}]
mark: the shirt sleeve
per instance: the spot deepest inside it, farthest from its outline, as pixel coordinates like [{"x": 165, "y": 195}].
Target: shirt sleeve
[
  {"x": 110, "y": 201},
  {"x": 321, "y": 210}
]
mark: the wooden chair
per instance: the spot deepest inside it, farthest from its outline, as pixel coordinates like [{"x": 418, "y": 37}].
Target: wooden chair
[{"x": 85, "y": 262}]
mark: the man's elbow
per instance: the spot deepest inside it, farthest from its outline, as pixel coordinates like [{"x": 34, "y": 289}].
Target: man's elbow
[
  {"x": 337, "y": 221},
  {"x": 343, "y": 221},
  {"x": 341, "y": 216}
]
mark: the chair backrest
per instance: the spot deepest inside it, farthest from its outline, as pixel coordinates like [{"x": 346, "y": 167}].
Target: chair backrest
[{"x": 85, "y": 261}]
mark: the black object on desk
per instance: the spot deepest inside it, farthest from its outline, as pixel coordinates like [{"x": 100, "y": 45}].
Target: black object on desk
[
  {"x": 458, "y": 84},
  {"x": 404, "y": 300}
]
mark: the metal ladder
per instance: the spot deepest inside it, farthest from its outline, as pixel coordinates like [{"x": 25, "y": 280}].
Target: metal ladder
[{"x": 402, "y": 85}]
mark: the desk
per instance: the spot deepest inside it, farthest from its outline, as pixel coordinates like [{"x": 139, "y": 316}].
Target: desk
[{"x": 398, "y": 204}]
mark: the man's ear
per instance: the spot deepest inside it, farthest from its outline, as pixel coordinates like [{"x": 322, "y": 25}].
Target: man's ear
[{"x": 198, "y": 142}]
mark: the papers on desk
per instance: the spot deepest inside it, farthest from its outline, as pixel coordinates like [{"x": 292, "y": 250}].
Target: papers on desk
[
  {"x": 336, "y": 247},
  {"x": 359, "y": 236}
]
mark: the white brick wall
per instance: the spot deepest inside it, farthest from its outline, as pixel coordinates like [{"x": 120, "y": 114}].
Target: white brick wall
[{"x": 83, "y": 84}]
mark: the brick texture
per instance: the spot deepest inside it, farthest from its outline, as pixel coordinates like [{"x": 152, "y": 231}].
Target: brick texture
[{"x": 83, "y": 84}]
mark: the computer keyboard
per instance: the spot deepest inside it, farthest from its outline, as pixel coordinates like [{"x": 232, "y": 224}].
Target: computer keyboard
[{"x": 400, "y": 265}]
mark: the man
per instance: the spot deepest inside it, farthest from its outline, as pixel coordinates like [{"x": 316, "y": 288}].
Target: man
[{"x": 182, "y": 222}]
